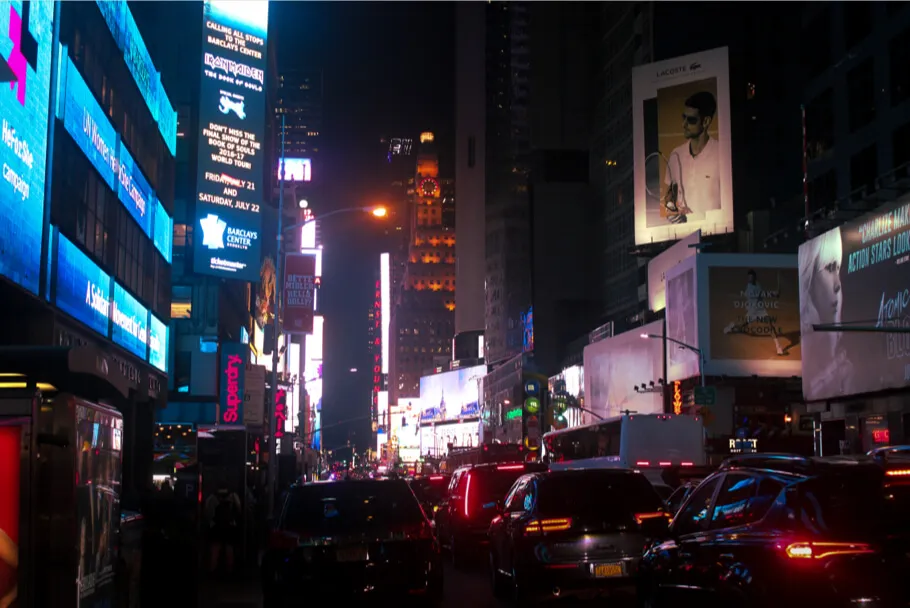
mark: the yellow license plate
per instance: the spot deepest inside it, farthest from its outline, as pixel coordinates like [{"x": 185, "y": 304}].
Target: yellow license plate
[{"x": 607, "y": 570}]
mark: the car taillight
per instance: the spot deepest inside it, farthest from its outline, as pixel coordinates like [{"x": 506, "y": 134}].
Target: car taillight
[
  {"x": 643, "y": 463},
  {"x": 281, "y": 540},
  {"x": 898, "y": 473},
  {"x": 510, "y": 467},
  {"x": 467, "y": 496},
  {"x": 542, "y": 526},
  {"x": 809, "y": 550},
  {"x": 640, "y": 517},
  {"x": 686, "y": 464},
  {"x": 436, "y": 477}
]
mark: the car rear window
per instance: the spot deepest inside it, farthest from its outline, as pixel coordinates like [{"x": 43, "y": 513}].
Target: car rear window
[
  {"x": 350, "y": 506},
  {"x": 855, "y": 503},
  {"x": 593, "y": 492},
  {"x": 492, "y": 483}
]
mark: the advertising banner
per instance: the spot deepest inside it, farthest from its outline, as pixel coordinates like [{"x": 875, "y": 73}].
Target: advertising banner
[
  {"x": 254, "y": 396},
  {"x": 297, "y": 293},
  {"x": 10, "y": 467},
  {"x": 99, "y": 436},
  {"x": 232, "y": 373},
  {"x": 753, "y": 313},
  {"x": 229, "y": 181},
  {"x": 857, "y": 275},
  {"x": 26, "y": 37},
  {"x": 682, "y": 323},
  {"x": 164, "y": 232},
  {"x": 681, "y": 146},
  {"x": 296, "y": 170},
  {"x": 435, "y": 439},
  {"x": 658, "y": 267},
  {"x": 83, "y": 290},
  {"x": 130, "y": 327},
  {"x": 451, "y": 395},
  {"x": 615, "y": 366},
  {"x": 158, "y": 342}
]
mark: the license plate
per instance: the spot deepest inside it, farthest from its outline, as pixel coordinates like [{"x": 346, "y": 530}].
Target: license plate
[
  {"x": 608, "y": 570},
  {"x": 351, "y": 555}
]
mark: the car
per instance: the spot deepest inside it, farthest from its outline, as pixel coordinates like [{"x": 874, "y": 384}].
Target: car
[
  {"x": 355, "y": 540},
  {"x": 787, "y": 530},
  {"x": 571, "y": 533},
  {"x": 430, "y": 491},
  {"x": 461, "y": 521}
]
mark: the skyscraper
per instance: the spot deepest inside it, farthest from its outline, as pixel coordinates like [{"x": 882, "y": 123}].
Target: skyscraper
[{"x": 300, "y": 100}]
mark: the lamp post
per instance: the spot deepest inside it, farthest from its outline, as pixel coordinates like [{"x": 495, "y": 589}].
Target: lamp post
[
  {"x": 697, "y": 351},
  {"x": 375, "y": 211}
]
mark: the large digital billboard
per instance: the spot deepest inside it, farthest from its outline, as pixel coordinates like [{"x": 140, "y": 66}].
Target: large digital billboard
[
  {"x": 158, "y": 343},
  {"x": 130, "y": 328},
  {"x": 83, "y": 290},
  {"x": 658, "y": 267},
  {"x": 229, "y": 181},
  {"x": 683, "y": 178},
  {"x": 164, "y": 232},
  {"x": 615, "y": 366},
  {"x": 295, "y": 170},
  {"x": 26, "y": 36},
  {"x": 134, "y": 191},
  {"x": 451, "y": 395},
  {"x": 856, "y": 277}
]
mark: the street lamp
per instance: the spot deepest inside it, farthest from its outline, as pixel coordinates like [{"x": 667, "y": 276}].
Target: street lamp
[{"x": 697, "y": 351}]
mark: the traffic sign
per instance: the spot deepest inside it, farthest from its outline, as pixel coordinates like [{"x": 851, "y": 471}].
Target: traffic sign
[{"x": 705, "y": 395}]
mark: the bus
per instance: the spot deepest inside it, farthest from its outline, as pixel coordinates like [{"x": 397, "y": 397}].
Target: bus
[{"x": 630, "y": 441}]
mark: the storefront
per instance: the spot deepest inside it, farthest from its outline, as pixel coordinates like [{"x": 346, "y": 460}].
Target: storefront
[{"x": 855, "y": 344}]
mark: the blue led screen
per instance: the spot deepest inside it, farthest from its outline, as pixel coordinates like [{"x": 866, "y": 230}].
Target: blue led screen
[
  {"x": 120, "y": 21},
  {"x": 158, "y": 336},
  {"x": 26, "y": 37},
  {"x": 89, "y": 126},
  {"x": 130, "y": 322},
  {"x": 134, "y": 191},
  {"x": 164, "y": 232},
  {"x": 231, "y": 127},
  {"x": 83, "y": 290}
]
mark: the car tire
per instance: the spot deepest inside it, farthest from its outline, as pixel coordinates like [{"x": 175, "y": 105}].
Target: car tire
[{"x": 496, "y": 580}]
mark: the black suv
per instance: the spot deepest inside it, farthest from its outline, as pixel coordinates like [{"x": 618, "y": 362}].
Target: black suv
[
  {"x": 786, "y": 530},
  {"x": 462, "y": 521}
]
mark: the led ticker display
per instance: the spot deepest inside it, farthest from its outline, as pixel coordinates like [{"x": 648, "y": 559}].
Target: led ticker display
[
  {"x": 26, "y": 31},
  {"x": 158, "y": 339},
  {"x": 123, "y": 28},
  {"x": 134, "y": 191},
  {"x": 130, "y": 327},
  {"x": 164, "y": 232},
  {"x": 232, "y": 123},
  {"x": 83, "y": 290}
]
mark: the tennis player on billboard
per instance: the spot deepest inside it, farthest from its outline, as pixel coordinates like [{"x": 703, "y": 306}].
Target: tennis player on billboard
[{"x": 681, "y": 141}]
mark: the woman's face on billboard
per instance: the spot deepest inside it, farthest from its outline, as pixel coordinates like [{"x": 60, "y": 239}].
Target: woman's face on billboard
[{"x": 826, "y": 292}]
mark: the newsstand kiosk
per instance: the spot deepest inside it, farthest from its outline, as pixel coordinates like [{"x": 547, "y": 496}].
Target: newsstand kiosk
[{"x": 60, "y": 465}]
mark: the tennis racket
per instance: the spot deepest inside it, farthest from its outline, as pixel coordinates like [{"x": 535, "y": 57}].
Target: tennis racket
[{"x": 671, "y": 204}]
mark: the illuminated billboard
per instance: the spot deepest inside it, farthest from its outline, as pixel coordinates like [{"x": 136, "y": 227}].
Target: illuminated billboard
[
  {"x": 298, "y": 293},
  {"x": 658, "y": 267},
  {"x": 312, "y": 372},
  {"x": 683, "y": 178},
  {"x": 296, "y": 170},
  {"x": 232, "y": 123},
  {"x": 451, "y": 395},
  {"x": 856, "y": 276},
  {"x": 164, "y": 232},
  {"x": 130, "y": 323},
  {"x": 435, "y": 439},
  {"x": 83, "y": 290},
  {"x": 377, "y": 349},
  {"x": 615, "y": 366},
  {"x": 26, "y": 36},
  {"x": 158, "y": 343},
  {"x": 384, "y": 288}
]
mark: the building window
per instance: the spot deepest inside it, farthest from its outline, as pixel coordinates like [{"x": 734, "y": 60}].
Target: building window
[
  {"x": 181, "y": 302},
  {"x": 864, "y": 168},
  {"x": 858, "y": 18},
  {"x": 861, "y": 94},
  {"x": 900, "y": 145},
  {"x": 899, "y": 57},
  {"x": 823, "y": 190}
]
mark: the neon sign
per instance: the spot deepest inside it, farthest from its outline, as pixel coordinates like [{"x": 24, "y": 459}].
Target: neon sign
[
  {"x": 677, "y": 397},
  {"x": 233, "y": 398},
  {"x": 377, "y": 348},
  {"x": 281, "y": 411}
]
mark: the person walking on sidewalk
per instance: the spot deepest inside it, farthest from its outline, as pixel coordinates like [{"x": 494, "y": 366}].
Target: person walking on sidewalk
[{"x": 223, "y": 513}]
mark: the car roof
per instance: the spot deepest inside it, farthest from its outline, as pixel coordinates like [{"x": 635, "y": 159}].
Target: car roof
[{"x": 807, "y": 466}]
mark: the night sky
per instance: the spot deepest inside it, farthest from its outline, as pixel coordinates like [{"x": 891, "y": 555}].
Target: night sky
[{"x": 388, "y": 71}]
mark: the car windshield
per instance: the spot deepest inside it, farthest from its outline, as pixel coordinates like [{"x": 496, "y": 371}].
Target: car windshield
[
  {"x": 597, "y": 493},
  {"x": 350, "y": 506}
]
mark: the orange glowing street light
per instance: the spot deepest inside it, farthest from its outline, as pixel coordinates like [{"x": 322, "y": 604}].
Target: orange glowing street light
[{"x": 379, "y": 211}]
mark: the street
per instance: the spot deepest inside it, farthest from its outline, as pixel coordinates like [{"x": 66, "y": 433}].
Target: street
[{"x": 463, "y": 588}]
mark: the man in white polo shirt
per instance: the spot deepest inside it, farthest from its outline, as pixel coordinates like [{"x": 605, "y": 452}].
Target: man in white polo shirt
[{"x": 694, "y": 167}]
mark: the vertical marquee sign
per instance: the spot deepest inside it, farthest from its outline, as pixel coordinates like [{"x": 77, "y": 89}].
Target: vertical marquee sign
[
  {"x": 298, "y": 293},
  {"x": 232, "y": 373},
  {"x": 229, "y": 180},
  {"x": 377, "y": 349}
]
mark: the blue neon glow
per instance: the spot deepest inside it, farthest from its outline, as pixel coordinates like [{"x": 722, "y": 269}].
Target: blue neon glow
[
  {"x": 158, "y": 343},
  {"x": 88, "y": 125},
  {"x": 24, "y": 112},
  {"x": 134, "y": 191},
  {"x": 120, "y": 21},
  {"x": 83, "y": 290},
  {"x": 164, "y": 232},
  {"x": 130, "y": 322}
]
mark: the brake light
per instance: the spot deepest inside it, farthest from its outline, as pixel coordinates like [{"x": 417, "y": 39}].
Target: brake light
[
  {"x": 542, "y": 526},
  {"x": 437, "y": 477},
  {"x": 643, "y": 463},
  {"x": 510, "y": 467},
  {"x": 686, "y": 464},
  {"x": 665, "y": 464},
  {"x": 640, "y": 517},
  {"x": 467, "y": 496},
  {"x": 898, "y": 473},
  {"x": 823, "y": 550}
]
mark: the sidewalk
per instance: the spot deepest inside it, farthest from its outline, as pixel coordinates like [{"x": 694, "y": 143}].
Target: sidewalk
[{"x": 241, "y": 592}]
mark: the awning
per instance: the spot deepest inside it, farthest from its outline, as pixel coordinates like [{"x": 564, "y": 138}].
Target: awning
[{"x": 84, "y": 371}]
